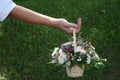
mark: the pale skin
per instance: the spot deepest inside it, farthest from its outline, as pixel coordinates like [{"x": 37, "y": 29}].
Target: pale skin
[{"x": 29, "y": 16}]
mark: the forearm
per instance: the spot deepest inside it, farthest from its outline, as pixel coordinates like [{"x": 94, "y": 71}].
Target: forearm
[{"x": 30, "y": 16}]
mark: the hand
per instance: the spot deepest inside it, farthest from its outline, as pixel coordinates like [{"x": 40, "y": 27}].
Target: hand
[{"x": 67, "y": 26}]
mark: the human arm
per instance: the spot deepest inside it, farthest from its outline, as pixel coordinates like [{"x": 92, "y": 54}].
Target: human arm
[{"x": 29, "y": 16}]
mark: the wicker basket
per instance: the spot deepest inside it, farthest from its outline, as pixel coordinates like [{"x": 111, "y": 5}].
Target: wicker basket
[{"x": 75, "y": 71}]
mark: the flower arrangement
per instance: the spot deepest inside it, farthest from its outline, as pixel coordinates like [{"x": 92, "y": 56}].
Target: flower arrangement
[{"x": 76, "y": 54}]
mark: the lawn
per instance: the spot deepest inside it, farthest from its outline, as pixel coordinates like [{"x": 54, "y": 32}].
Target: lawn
[{"x": 25, "y": 48}]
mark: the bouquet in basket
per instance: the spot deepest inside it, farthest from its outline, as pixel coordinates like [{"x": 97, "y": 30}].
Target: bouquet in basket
[{"x": 76, "y": 55}]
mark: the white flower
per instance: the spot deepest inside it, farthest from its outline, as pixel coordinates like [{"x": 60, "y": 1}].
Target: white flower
[
  {"x": 91, "y": 51},
  {"x": 88, "y": 59},
  {"x": 67, "y": 43},
  {"x": 92, "y": 47},
  {"x": 53, "y": 61},
  {"x": 80, "y": 59},
  {"x": 105, "y": 60},
  {"x": 62, "y": 58},
  {"x": 55, "y": 52},
  {"x": 88, "y": 56},
  {"x": 95, "y": 56},
  {"x": 99, "y": 63},
  {"x": 81, "y": 49},
  {"x": 68, "y": 63}
]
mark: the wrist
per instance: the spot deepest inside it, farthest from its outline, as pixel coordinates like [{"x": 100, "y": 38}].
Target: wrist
[
  {"x": 49, "y": 21},
  {"x": 54, "y": 22}
]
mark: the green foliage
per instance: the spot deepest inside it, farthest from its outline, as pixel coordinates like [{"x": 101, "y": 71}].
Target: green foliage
[{"x": 25, "y": 48}]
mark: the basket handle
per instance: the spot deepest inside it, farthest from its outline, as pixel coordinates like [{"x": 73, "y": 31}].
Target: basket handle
[{"x": 74, "y": 40}]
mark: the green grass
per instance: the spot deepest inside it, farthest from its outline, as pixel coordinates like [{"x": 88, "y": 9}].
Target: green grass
[{"x": 25, "y": 48}]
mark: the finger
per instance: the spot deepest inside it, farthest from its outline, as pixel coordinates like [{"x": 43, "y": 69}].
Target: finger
[
  {"x": 72, "y": 25},
  {"x": 66, "y": 29},
  {"x": 79, "y": 25}
]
